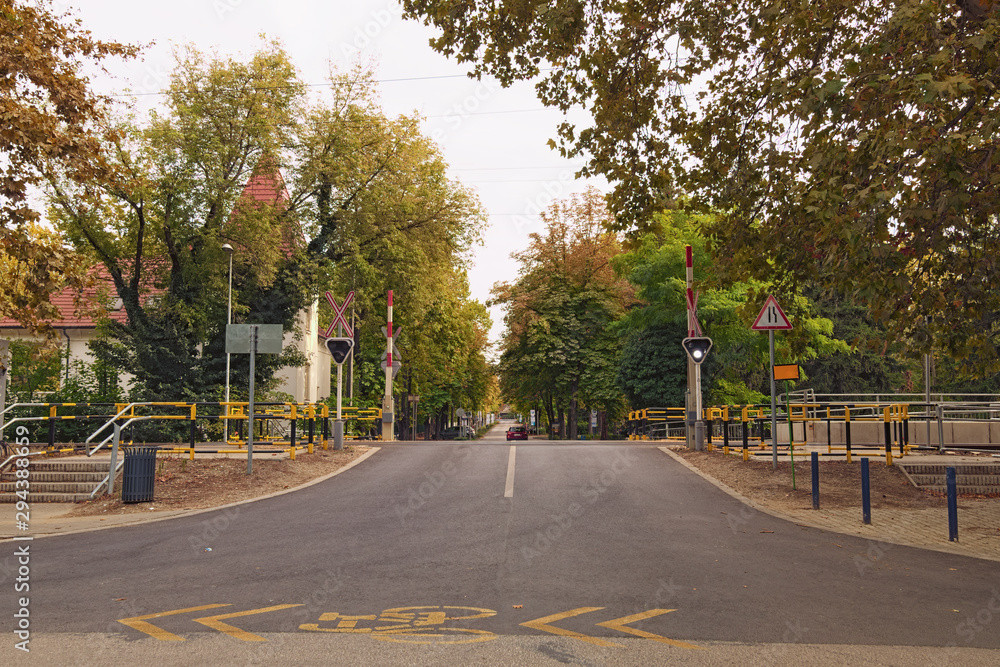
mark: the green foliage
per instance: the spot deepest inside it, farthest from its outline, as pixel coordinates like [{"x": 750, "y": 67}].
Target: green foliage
[
  {"x": 846, "y": 145},
  {"x": 737, "y": 366},
  {"x": 558, "y": 348},
  {"x": 49, "y": 118},
  {"x": 872, "y": 365},
  {"x": 33, "y": 368},
  {"x": 653, "y": 367}
]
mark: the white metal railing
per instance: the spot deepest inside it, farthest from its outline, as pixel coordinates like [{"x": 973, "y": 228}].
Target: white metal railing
[
  {"x": 117, "y": 429},
  {"x": 118, "y": 416},
  {"x": 107, "y": 478}
]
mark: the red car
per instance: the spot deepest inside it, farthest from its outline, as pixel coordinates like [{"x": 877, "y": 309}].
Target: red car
[{"x": 517, "y": 432}]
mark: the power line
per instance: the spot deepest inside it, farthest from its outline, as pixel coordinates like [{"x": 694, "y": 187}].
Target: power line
[
  {"x": 566, "y": 166},
  {"x": 312, "y": 85}
]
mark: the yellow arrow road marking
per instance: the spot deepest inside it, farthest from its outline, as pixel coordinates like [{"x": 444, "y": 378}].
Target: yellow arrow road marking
[
  {"x": 620, "y": 623},
  {"x": 215, "y": 622},
  {"x": 139, "y": 622},
  {"x": 543, "y": 625}
]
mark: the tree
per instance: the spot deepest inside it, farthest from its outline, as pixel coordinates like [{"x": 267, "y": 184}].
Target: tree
[
  {"x": 736, "y": 372},
  {"x": 175, "y": 194},
  {"x": 558, "y": 349},
  {"x": 376, "y": 198},
  {"x": 847, "y": 145},
  {"x": 49, "y": 122}
]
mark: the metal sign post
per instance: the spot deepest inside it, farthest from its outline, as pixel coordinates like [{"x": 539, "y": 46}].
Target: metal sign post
[
  {"x": 770, "y": 319},
  {"x": 336, "y": 350},
  {"x": 387, "y": 416},
  {"x": 253, "y": 358},
  {"x": 251, "y": 339}
]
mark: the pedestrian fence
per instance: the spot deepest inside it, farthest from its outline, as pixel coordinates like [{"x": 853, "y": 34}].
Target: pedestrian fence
[
  {"x": 891, "y": 430},
  {"x": 288, "y": 427}
]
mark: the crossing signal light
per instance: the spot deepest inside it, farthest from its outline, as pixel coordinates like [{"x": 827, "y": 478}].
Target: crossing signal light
[
  {"x": 339, "y": 348},
  {"x": 697, "y": 348}
]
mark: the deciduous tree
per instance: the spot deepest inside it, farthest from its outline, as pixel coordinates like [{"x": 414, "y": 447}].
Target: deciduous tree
[
  {"x": 849, "y": 145},
  {"x": 49, "y": 118}
]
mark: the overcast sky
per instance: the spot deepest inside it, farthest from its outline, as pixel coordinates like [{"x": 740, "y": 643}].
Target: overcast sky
[{"x": 494, "y": 139}]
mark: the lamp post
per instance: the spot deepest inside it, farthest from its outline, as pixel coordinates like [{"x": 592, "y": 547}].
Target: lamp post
[{"x": 229, "y": 320}]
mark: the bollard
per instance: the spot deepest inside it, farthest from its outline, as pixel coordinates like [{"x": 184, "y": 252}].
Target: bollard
[
  {"x": 847, "y": 431},
  {"x": 906, "y": 431},
  {"x": 829, "y": 436},
  {"x": 338, "y": 435},
  {"x": 902, "y": 438},
  {"x": 725, "y": 436},
  {"x": 746, "y": 443},
  {"x": 888, "y": 443},
  {"x": 952, "y": 505},
  {"x": 815, "y": 479},
  {"x": 866, "y": 493},
  {"x": 326, "y": 432}
]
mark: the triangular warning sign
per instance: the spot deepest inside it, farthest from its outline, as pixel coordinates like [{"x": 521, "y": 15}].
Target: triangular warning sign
[{"x": 771, "y": 317}]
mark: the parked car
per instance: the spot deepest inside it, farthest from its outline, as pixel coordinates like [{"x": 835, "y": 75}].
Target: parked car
[
  {"x": 457, "y": 432},
  {"x": 517, "y": 432}
]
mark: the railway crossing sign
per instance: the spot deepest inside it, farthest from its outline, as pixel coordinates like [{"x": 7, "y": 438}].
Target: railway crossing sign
[
  {"x": 339, "y": 349},
  {"x": 339, "y": 315},
  {"x": 771, "y": 317}
]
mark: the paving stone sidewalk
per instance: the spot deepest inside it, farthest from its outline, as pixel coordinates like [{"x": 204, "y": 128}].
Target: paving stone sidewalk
[{"x": 978, "y": 522}]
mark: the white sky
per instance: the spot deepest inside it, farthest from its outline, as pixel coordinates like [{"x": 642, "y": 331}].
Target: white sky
[{"x": 494, "y": 139}]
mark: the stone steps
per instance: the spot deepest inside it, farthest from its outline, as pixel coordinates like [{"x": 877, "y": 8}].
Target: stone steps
[
  {"x": 55, "y": 481},
  {"x": 980, "y": 479}
]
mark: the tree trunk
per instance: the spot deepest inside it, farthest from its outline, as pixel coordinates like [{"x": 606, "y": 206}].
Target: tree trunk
[
  {"x": 603, "y": 416},
  {"x": 550, "y": 413},
  {"x": 574, "y": 418},
  {"x": 562, "y": 422}
]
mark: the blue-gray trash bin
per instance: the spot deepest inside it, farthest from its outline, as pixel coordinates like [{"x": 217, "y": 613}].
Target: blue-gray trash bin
[{"x": 138, "y": 474}]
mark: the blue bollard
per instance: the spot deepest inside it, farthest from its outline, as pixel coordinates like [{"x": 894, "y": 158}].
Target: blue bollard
[
  {"x": 815, "y": 479},
  {"x": 866, "y": 492},
  {"x": 952, "y": 505}
]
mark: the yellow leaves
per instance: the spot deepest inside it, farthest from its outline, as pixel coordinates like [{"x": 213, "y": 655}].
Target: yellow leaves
[{"x": 35, "y": 264}]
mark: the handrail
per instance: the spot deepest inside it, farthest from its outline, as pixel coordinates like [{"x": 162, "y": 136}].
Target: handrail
[
  {"x": 105, "y": 441},
  {"x": 17, "y": 456},
  {"x": 111, "y": 421},
  {"x": 107, "y": 477}
]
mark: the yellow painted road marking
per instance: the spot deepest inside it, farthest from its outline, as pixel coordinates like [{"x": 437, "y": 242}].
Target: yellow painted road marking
[
  {"x": 215, "y": 622},
  {"x": 620, "y": 623},
  {"x": 139, "y": 622},
  {"x": 508, "y": 489},
  {"x": 543, "y": 625},
  {"x": 433, "y": 636}
]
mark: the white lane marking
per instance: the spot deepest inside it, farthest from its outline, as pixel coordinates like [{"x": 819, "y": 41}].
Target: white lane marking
[{"x": 508, "y": 489}]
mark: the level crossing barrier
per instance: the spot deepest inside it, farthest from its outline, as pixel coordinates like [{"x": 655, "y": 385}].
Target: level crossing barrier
[
  {"x": 750, "y": 423},
  {"x": 656, "y": 424}
]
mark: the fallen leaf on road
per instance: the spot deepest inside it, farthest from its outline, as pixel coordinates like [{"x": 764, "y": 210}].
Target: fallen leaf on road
[
  {"x": 519, "y": 606},
  {"x": 767, "y": 531},
  {"x": 120, "y": 599}
]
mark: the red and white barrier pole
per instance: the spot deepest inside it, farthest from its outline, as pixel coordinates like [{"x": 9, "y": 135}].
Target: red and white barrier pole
[{"x": 387, "y": 416}]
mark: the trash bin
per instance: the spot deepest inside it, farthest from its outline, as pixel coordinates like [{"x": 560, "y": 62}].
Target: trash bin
[{"x": 139, "y": 474}]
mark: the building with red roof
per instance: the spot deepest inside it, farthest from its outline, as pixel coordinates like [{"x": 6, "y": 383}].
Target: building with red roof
[{"x": 80, "y": 313}]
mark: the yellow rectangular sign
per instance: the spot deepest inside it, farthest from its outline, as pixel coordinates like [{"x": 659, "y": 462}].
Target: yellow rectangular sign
[{"x": 786, "y": 372}]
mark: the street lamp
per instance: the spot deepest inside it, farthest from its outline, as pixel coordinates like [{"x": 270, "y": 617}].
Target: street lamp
[{"x": 229, "y": 320}]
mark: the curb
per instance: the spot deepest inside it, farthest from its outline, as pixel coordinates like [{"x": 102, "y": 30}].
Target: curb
[
  {"x": 144, "y": 519},
  {"x": 798, "y": 521}
]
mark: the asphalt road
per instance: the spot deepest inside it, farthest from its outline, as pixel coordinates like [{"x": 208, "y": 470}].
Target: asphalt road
[{"x": 604, "y": 553}]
